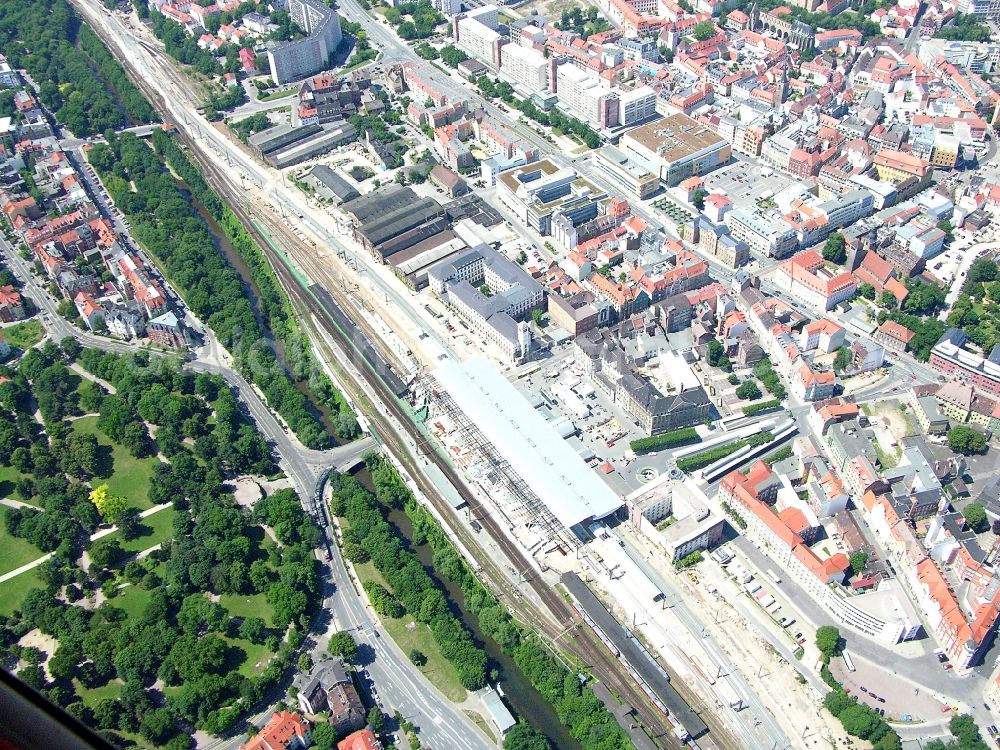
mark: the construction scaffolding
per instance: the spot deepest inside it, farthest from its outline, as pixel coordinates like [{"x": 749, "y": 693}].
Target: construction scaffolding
[{"x": 527, "y": 508}]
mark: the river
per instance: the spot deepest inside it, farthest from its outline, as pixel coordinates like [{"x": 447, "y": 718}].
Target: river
[
  {"x": 224, "y": 246},
  {"x": 519, "y": 693}
]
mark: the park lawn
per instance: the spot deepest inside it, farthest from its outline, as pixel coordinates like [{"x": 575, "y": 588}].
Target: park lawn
[
  {"x": 249, "y": 606},
  {"x": 91, "y": 696},
  {"x": 24, "y": 335},
  {"x": 132, "y": 600},
  {"x": 15, "y": 552},
  {"x": 409, "y": 635},
  {"x": 255, "y": 656},
  {"x": 13, "y": 590},
  {"x": 8, "y": 483},
  {"x": 131, "y": 476},
  {"x": 156, "y": 528}
]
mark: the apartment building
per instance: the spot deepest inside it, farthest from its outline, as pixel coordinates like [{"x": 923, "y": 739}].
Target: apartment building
[
  {"x": 524, "y": 68},
  {"x": 476, "y": 33},
  {"x": 806, "y": 276},
  {"x": 774, "y": 239},
  {"x": 582, "y": 94},
  {"x": 716, "y": 240},
  {"x": 776, "y": 534},
  {"x": 292, "y": 60}
]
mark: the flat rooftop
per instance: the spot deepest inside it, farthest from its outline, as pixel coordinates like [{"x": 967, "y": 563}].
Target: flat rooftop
[
  {"x": 548, "y": 465},
  {"x": 675, "y": 137},
  {"x": 511, "y": 178},
  {"x": 745, "y": 184}
]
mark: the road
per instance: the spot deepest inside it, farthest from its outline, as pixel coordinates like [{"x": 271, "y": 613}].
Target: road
[
  {"x": 400, "y": 684},
  {"x": 923, "y": 670},
  {"x": 179, "y": 104}
]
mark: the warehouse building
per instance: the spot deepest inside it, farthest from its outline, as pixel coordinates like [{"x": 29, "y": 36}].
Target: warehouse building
[
  {"x": 678, "y": 147},
  {"x": 330, "y": 185},
  {"x": 284, "y": 145},
  {"x": 394, "y": 218}
]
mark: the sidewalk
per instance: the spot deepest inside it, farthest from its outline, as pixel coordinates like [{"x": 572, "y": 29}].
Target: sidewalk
[{"x": 93, "y": 537}]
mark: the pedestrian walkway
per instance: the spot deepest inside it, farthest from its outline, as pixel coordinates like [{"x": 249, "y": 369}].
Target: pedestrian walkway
[
  {"x": 93, "y": 537},
  {"x": 16, "y": 504}
]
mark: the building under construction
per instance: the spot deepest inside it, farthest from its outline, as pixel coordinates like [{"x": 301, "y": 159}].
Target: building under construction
[{"x": 533, "y": 477}]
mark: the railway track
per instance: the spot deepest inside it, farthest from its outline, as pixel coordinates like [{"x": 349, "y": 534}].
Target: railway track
[
  {"x": 562, "y": 617},
  {"x": 560, "y": 621}
]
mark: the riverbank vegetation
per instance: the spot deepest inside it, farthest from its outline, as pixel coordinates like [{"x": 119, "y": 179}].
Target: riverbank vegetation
[
  {"x": 587, "y": 719},
  {"x": 77, "y": 77},
  {"x": 166, "y": 223}
]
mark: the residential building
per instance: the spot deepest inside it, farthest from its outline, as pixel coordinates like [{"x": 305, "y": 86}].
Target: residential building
[
  {"x": 752, "y": 497},
  {"x": 770, "y": 238},
  {"x": 363, "y": 739},
  {"x": 823, "y": 335},
  {"x": 715, "y": 240},
  {"x": 286, "y": 730},
  {"x": 894, "y": 336},
  {"x": 476, "y": 33},
  {"x": 524, "y": 67},
  {"x": 167, "y": 330},
  {"x": 328, "y": 687},
  {"x": 806, "y": 276},
  {"x": 636, "y": 106},
  {"x": 584, "y": 95},
  {"x": 11, "y": 305},
  {"x": 299, "y": 58}
]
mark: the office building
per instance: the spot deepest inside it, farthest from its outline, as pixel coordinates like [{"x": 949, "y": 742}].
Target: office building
[
  {"x": 496, "y": 313},
  {"x": 951, "y": 357},
  {"x": 628, "y": 173},
  {"x": 636, "y": 106}
]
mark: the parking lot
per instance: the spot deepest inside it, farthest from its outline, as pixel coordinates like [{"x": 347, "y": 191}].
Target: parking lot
[
  {"x": 883, "y": 690},
  {"x": 745, "y": 183}
]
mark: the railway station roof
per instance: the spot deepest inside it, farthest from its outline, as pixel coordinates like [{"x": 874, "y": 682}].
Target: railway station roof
[{"x": 552, "y": 469}]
